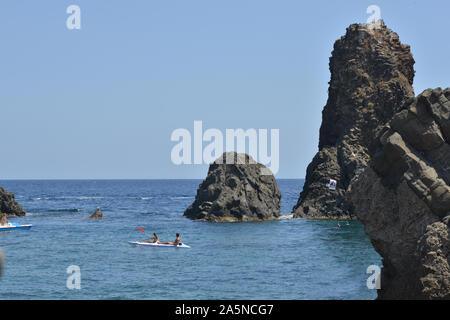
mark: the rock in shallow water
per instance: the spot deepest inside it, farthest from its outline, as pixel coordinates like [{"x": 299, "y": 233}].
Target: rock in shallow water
[
  {"x": 98, "y": 214},
  {"x": 236, "y": 189},
  {"x": 8, "y": 205},
  {"x": 403, "y": 199}
]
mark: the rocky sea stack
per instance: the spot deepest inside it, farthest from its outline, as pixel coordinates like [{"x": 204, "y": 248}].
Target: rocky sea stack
[
  {"x": 403, "y": 199},
  {"x": 371, "y": 78},
  {"x": 236, "y": 189},
  {"x": 8, "y": 204},
  {"x": 98, "y": 214}
]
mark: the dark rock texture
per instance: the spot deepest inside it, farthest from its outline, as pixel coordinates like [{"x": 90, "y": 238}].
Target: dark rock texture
[
  {"x": 98, "y": 214},
  {"x": 371, "y": 77},
  {"x": 8, "y": 204},
  {"x": 403, "y": 199},
  {"x": 240, "y": 191}
]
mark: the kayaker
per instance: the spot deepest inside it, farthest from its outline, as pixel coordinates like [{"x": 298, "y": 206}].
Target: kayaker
[
  {"x": 176, "y": 242},
  {"x": 154, "y": 238}
]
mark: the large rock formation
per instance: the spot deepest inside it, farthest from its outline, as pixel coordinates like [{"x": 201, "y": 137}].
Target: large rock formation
[
  {"x": 371, "y": 77},
  {"x": 236, "y": 189},
  {"x": 403, "y": 199},
  {"x": 8, "y": 204}
]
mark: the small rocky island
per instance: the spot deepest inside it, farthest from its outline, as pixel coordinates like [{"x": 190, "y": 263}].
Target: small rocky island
[
  {"x": 8, "y": 204},
  {"x": 236, "y": 189},
  {"x": 403, "y": 199},
  {"x": 371, "y": 77},
  {"x": 98, "y": 214}
]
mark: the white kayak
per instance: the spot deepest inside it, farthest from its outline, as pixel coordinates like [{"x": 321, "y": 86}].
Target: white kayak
[
  {"x": 151, "y": 244},
  {"x": 15, "y": 226}
]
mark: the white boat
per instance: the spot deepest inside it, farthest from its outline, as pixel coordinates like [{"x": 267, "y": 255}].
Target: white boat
[
  {"x": 151, "y": 244},
  {"x": 15, "y": 226}
]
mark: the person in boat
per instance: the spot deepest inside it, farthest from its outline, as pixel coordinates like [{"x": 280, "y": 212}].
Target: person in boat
[
  {"x": 347, "y": 223},
  {"x": 154, "y": 238},
  {"x": 176, "y": 242},
  {"x": 4, "y": 220}
]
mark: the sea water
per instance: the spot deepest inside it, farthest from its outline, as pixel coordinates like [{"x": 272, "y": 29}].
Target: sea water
[{"x": 285, "y": 259}]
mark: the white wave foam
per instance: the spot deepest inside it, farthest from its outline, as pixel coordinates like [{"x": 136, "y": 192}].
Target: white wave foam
[
  {"x": 181, "y": 197},
  {"x": 70, "y": 197}
]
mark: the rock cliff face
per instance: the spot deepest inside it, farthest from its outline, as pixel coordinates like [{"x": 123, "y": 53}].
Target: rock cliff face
[
  {"x": 403, "y": 199},
  {"x": 371, "y": 77},
  {"x": 8, "y": 205},
  {"x": 236, "y": 189}
]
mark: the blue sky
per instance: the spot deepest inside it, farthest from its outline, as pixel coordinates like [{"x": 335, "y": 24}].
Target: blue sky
[{"x": 102, "y": 102}]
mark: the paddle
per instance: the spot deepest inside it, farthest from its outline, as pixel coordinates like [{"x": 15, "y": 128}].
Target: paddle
[{"x": 140, "y": 229}]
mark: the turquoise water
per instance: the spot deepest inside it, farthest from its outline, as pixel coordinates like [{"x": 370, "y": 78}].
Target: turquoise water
[{"x": 286, "y": 259}]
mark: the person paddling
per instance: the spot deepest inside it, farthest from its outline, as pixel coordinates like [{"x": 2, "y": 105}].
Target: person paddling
[{"x": 154, "y": 238}]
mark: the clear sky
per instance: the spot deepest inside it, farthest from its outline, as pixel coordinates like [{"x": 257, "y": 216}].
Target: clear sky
[{"x": 102, "y": 102}]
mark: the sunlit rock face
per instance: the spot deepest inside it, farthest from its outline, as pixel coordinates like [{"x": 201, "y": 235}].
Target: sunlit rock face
[
  {"x": 371, "y": 78},
  {"x": 236, "y": 189}
]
